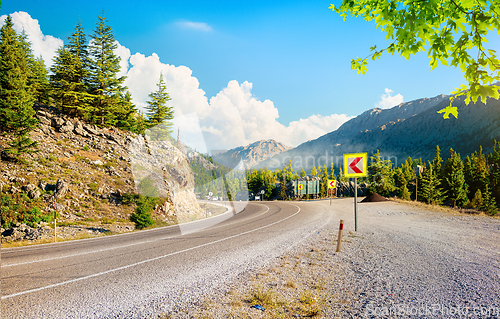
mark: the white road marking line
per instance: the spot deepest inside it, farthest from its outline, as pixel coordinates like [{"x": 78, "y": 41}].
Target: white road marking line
[
  {"x": 123, "y": 246},
  {"x": 80, "y": 241},
  {"x": 148, "y": 260}
]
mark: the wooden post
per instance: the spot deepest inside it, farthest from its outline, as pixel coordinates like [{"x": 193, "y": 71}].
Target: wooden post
[
  {"x": 416, "y": 189},
  {"x": 341, "y": 227},
  {"x": 55, "y": 220}
]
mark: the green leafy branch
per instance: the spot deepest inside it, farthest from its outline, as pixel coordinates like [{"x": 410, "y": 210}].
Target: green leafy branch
[{"x": 450, "y": 32}]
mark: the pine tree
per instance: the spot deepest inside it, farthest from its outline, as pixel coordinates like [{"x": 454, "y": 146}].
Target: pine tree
[
  {"x": 477, "y": 200},
  {"x": 468, "y": 175},
  {"x": 405, "y": 194},
  {"x": 282, "y": 190},
  {"x": 429, "y": 186},
  {"x": 489, "y": 205},
  {"x": 16, "y": 98},
  {"x": 78, "y": 47},
  {"x": 454, "y": 179},
  {"x": 103, "y": 79},
  {"x": 324, "y": 182},
  {"x": 303, "y": 173},
  {"x": 479, "y": 175},
  {"x": 314, "y": 172},
  {"x": 69, "y": 78},
  {"x": 37, "y": 76},
  {"x": 126, "y": 116},
  {"x": 494, "y": 162},
  {"x": 289, "y": 172},
  {"x": 40, "y": 84},
  {"x": 381, "y": 175},
  {"x": 159, "y": 113},
  {"x": 341, "y": 176},
  {"x": 407, "y": 170},
  {"x": 68, "y": 89},
  {"x": 399, "y": 178},
  {"x": 437, "y": 163},
  {"x": 402, "y": 184}
]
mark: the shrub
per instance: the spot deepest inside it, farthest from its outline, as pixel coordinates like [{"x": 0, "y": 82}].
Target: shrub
[
  {"x": 141, "y": 219},
  {"x": 93, "y": 187},
  {"x": 32, "y": 217}
]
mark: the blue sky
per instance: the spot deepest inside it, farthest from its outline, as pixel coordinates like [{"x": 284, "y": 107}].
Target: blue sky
[{"x": 294, "y": 54}]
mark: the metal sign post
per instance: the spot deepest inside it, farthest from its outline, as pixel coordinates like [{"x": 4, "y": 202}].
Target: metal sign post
[
  {"x": 356, "y": 165},
  {"x": 355, "y": 204},
  {"x": 332, "y": 184}
]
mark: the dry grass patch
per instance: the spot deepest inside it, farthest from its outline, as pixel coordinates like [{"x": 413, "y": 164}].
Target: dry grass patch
[
  {"x": 93, "y": 156},
  {"x": 295, "y": 286}
]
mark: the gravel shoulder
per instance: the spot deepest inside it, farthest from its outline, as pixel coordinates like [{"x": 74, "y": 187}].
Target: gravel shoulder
[{"x": 406, "y": 261}]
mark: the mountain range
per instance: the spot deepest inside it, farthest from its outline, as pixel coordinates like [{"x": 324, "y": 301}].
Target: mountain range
[
  {"x": 409, "y": 129},
  {"x": 250, "y": 155}
]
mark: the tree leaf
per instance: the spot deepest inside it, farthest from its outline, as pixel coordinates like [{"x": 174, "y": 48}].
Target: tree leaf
[{"x": 449, "y": 110}]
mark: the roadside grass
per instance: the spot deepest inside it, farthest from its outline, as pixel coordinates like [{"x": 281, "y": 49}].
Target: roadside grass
[
  {"x": 22, "y": 243},
  {"x": 444, "y": 208},
  {"x": 213, "y": 209},
  {"x": 302, "y": 285}
]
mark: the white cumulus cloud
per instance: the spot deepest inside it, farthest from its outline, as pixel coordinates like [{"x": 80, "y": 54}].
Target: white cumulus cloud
[
  {"x": 42, "y": 45},
  {"x": 199, "y": 26},
  {"x": 233, "y": 117},
  {"x": 124, "y": 54},
  {"x": 387, "y": 100}
]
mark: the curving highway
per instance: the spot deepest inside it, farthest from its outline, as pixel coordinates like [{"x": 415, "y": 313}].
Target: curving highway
[{"x": 146, "y": 273}]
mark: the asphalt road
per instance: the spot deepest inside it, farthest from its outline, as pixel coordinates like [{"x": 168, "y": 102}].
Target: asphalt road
[{"x": 144, "y": 273}]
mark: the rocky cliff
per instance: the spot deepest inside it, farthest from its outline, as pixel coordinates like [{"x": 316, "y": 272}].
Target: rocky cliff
[
  {"x": 162, "y": 170},
  {"x": 87, "y": 170}
]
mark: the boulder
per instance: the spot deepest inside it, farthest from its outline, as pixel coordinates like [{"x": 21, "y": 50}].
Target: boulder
[
  {"x": 44, "y": 120},
  {"x": 34, "y": 194},
  {"x": 80, "y": 130},
  {"x": 42, "y": 185},
  {"x": 116, "y": 139},
  {"x": 57, "y": 122},
  {"x": 61, "y": 188},
  {"x": 14, "y": 190},
  {"x": 15, "y": 179},
  {"x": 112, "y": 171},
  {"x": 28, "y": 188},
  {"x": 40, "y": 113},
  {"x": 92, "y": 129},
  {"x": 66, "y": 127}
]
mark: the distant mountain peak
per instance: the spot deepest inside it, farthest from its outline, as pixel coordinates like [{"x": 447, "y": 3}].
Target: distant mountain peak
[
  {"x": 410, "y": 129},
  {"x": 251, "y": 154}
]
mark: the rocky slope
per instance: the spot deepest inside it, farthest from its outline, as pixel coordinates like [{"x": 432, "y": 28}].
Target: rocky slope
[
  {"x": 167, "y": 170},
  {"x": 251, "y": 154},
  {"x": 410, "y": 129},
  {"x": 88, "y": 170}
]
